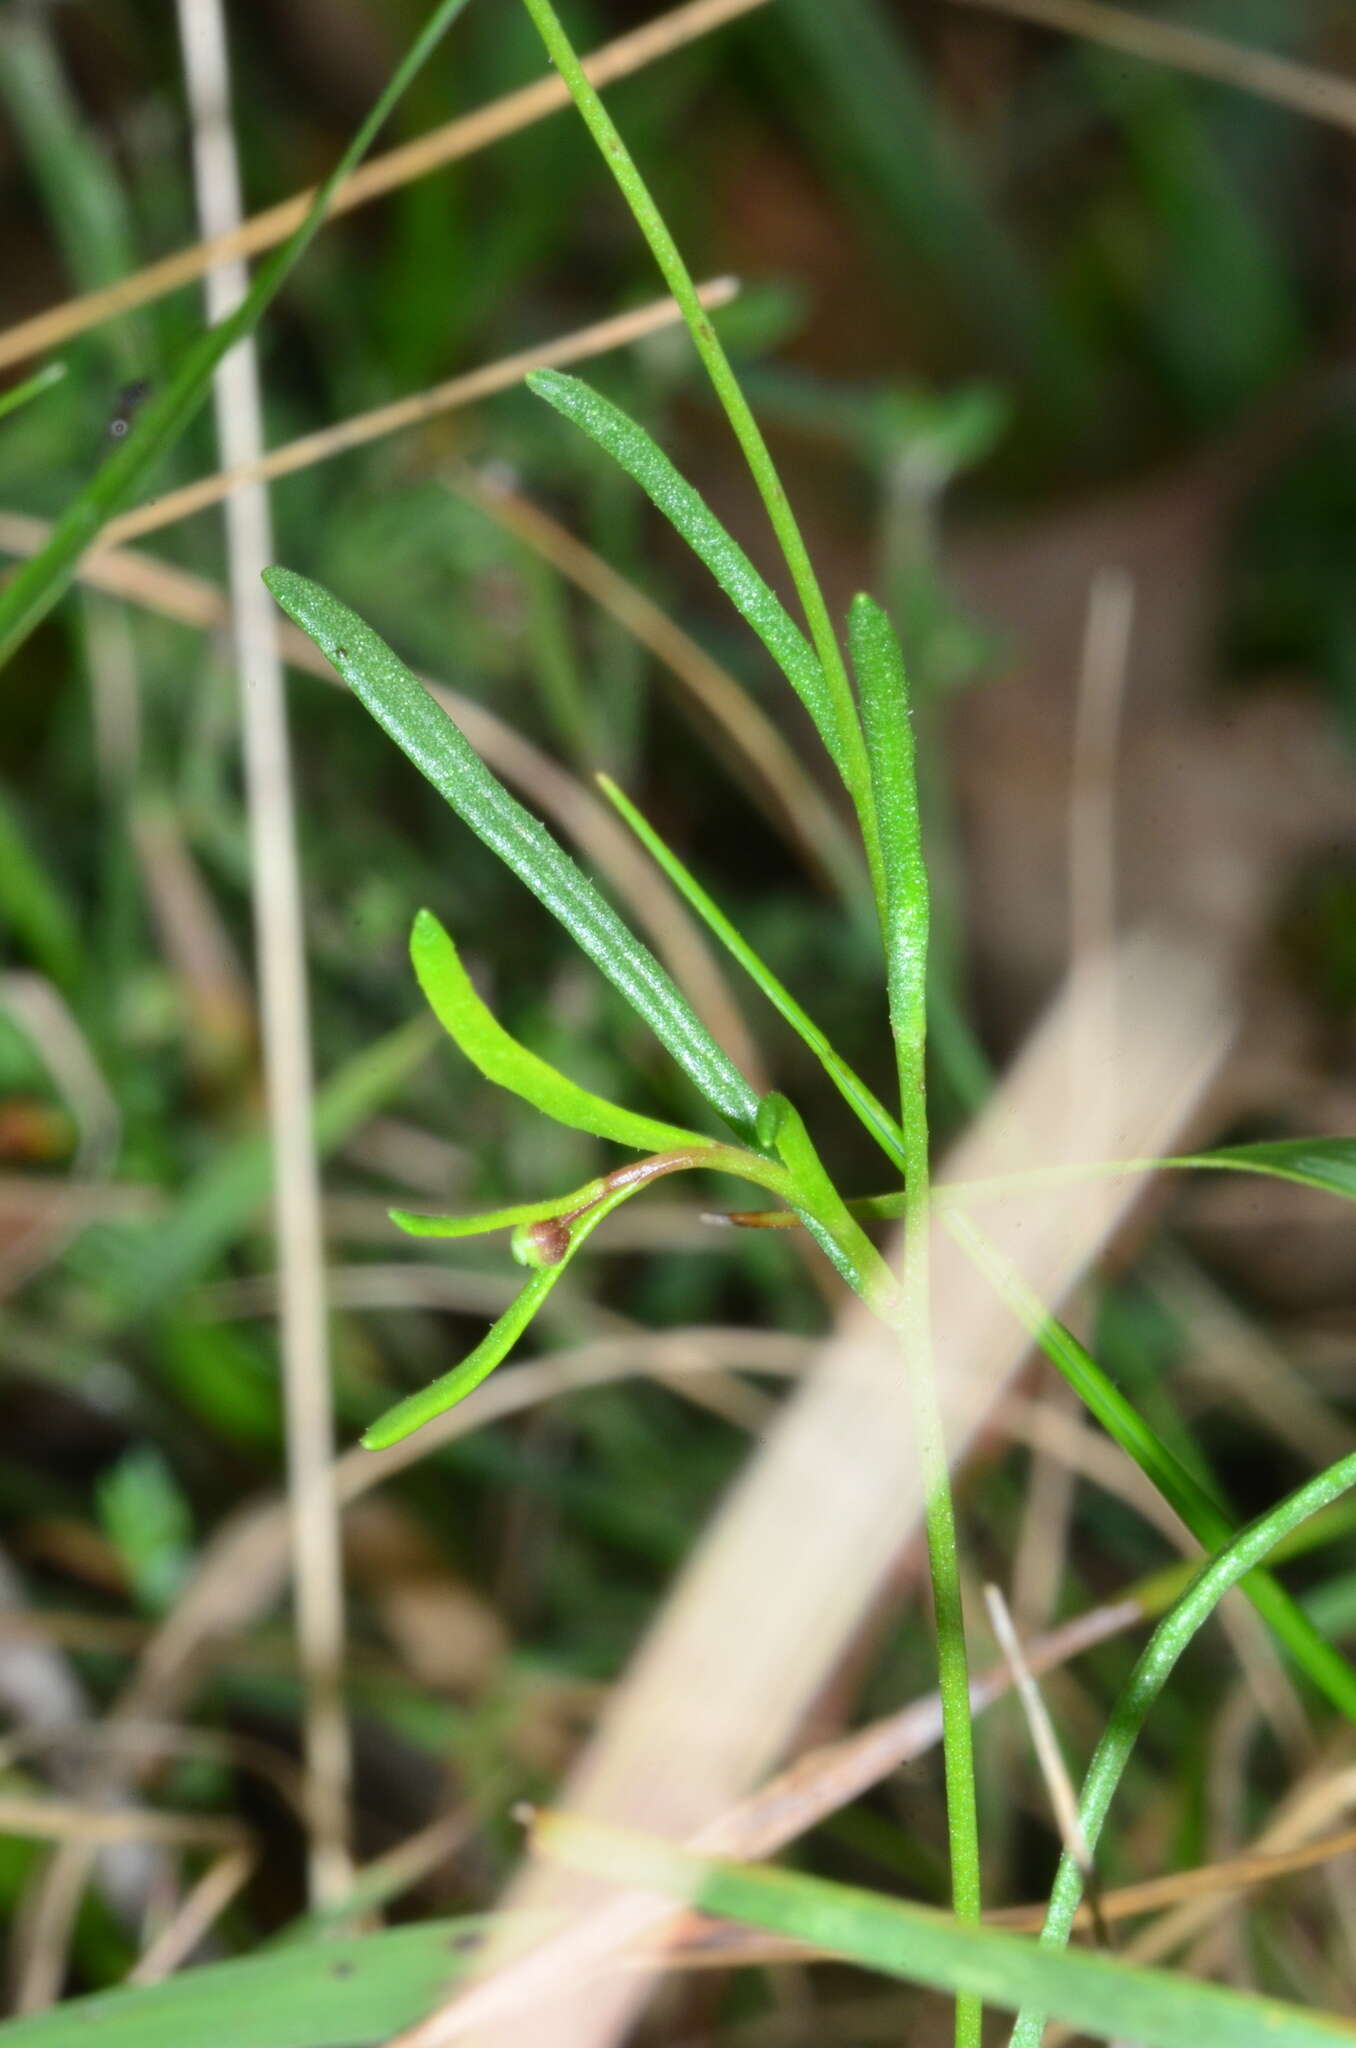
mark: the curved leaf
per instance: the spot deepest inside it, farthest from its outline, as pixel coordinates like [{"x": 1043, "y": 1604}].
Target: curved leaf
[
  {"x": 501, "y": 1059},
  {"x": 635, "y": 451},
  {"x": 1325, "y": 1163},
  {"x": 423, "y": 730}
]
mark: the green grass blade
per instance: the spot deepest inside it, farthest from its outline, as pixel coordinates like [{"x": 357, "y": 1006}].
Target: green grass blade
[
  {"x": 32, "y": 387},
  {"x": 854, "y": 1091},
  {"x": 501, "y": 1059},
  {"x": 636, "y": 452},
  {"x": 424, "y": 732},
  {"x": 1203, "y": 1515},
  {"x": 346, "y": 1992},
  {"x": 1096, "y": 1993},
  {"x": 1146, "y": 1682},
  {"x": 451, "y": 1387},
  {"x": 30, "y": 594}
]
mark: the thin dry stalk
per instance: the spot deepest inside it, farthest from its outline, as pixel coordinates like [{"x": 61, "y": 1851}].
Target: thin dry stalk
[
  {"x": 1049, "y": 1756},
  {"x": 379, "y": 175},
  {"x": 1301, "y": 87},
  {"x": 281, "y": 954},
  {"x": 206, "y": 1901},
  {"x": 365, "y": 427}
]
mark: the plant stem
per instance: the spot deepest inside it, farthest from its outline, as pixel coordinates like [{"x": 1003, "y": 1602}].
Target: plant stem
[
  {"x": 737, "y": 410},
  {"x": 889, "y": 737}
]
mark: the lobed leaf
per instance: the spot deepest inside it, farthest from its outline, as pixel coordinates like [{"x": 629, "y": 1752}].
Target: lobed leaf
[{"x": 437, "y": 747}]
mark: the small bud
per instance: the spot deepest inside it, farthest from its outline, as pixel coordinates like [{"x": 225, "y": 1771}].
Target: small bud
[{"x": 543, "y": 1243}]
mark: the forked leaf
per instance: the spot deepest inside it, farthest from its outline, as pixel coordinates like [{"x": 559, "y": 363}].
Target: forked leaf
[
  {"x": 451, "y": 1387},
  {"x": 1094, "y": 1993},
  {"x": 423, "y": 730},
  {"x": 635, "y": 451},
  {"x": 501, "y": 1059}
]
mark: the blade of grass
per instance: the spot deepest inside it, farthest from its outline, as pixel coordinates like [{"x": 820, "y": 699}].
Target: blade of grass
[
  {"x": 1151, "y": 1674},
  {"x": 39, "y": 584},
  {"x": 872, "y": 1113},
  {"x": 424, "y": 732},
  {"x": 345, "y": 1992},
  {"x": 32, "y": 387},
  {"x": 879, "y": 667},
  {"x": 1108, "y": 1998},
  {"x": 738, "y": 412},
  {"x": 1203, "y": 1515}
]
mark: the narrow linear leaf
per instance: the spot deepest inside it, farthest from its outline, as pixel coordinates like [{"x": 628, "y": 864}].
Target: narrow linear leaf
[
  {"x": 501, "y": 1059},
  {"x": 1325, "y": 1163},
  {"x": 1203, "y": 1515},
  {"x": 32, "y": 387},
  {"x": 822, "y": 1209},
  {"x": 854, "y": 1091},
  {"x": 30, "y": 594},
  {"x": 879, "y": 666},
  {"x": 424, "y": 732},
  {"x": 635, "y": 451},
  {"x": 1154, "y": 1667},
  {"x": 417, "y": 1225},
  {"x": 1154, "y": 2008}
]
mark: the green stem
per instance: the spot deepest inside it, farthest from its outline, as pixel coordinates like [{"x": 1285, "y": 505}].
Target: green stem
[
  {"x": 889, "y": 737},
  {"x": 737, "y": 410}
]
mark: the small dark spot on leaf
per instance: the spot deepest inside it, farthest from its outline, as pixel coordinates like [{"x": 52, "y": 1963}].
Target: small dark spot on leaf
[
  {"x": 341, "y": 653},
  {"x": 341, "y": 1969},
  {"x": 466, "y": 1938}
]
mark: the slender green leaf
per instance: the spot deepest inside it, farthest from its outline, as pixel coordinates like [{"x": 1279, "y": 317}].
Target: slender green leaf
[
  {"x": 1151, "y": 1673},
  {"x": 423, "y": 730},
  {"x": 822, "y": 1209},
  {"x": 1154, "y": 2008},
  {"x": 1325, "y": 1163},
  {"x": 854, "y": 1091},
  {"x": 35, "y": 588},
  {"x": 501, "y": 1059},
  {"x": 644, "y": 460},
  {"x": 419, "y": 1225},
  {"x": 32, "y": 904},
  {"x": 1203, "y": 1515},
  {"x": 32, "y": 387},
  {"x": 346, "y": 1992},
  {"x": 879, "y": 666}
]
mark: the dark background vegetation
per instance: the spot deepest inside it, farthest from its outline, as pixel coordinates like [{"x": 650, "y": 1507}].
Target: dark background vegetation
[{"x": 1016, "y": 310}]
